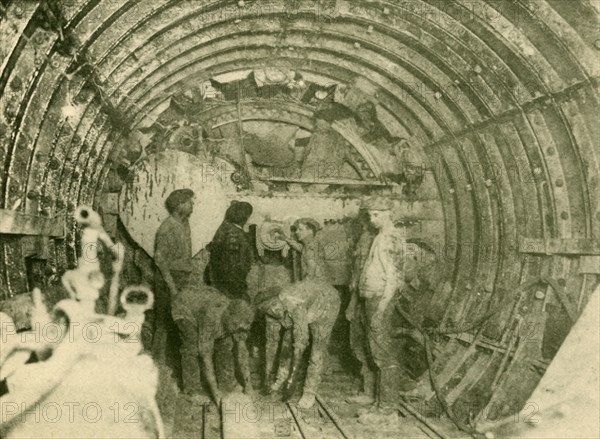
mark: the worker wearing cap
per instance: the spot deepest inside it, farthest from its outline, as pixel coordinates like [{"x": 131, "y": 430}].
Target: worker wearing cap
[
  {"x": 173, "y": 258},
  {"x": 378, "y": 285}
]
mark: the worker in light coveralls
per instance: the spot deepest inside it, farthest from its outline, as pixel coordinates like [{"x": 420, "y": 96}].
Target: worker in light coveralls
[
  {"x": 307, "y": 310},
  {"x": 308, "y": 315},
  {"x": 381, "y": 278}
]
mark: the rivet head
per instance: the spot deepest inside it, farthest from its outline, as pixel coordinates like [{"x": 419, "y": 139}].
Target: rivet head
[
  {"x": 469, "y": 187},
  {"x": 550, "y": 151},
  {"x": 370, "y": 29},
  {"x": 537, "y": 171},
  {"x": 560, "y": 183},
  {"x": 237, "y": 20},
  {"x": 477, "y": 69},
  {"x": 386, "y": 11},
  {"x": 488, "y": 182},
  {"x": 438, "y": 95},
  {"x": 597, "y": 44},
  {"x": 241, "y": 3},
  {"x": 564, "y": 215},
  {"x": 451, "y": 191},
  {"x": 357, "y": 45},
  {"x": 33, "y": 195},
  {"x": 540, "y": 294}
]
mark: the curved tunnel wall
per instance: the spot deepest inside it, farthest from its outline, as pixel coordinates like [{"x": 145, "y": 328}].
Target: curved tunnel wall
[{"x": 500, "y": 97}]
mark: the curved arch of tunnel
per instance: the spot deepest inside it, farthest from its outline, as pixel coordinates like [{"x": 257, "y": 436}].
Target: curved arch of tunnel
[{"x": 489, "y": 108}]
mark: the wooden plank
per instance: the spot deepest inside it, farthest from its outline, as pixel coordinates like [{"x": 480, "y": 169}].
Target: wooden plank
[
  {"x": 18, "y": 223},
  {"x": 583, "y": 246},
  {"x": 563, "y": 297}
]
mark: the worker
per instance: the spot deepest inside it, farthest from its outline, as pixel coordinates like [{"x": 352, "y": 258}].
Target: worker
[
  {"x": 311, "y": 252},
  {"x": 358, "y": 336},
  {"x": 231, "y": 253},
  {"x": 213, "y": 317},
  {"x": 173, "y": 258},
  {"x": 308, "y": 309},
  {"x": 380, "y": 280}
]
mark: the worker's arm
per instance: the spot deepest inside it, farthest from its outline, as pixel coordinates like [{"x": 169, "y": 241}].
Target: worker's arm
[
  {"x": 161, "y": 260},
  {"x": 206, "y": 352},
  {"x": 294, "y": 244}
]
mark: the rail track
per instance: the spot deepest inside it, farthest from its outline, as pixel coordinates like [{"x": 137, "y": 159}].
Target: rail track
[{"x": 285, "y": 420}]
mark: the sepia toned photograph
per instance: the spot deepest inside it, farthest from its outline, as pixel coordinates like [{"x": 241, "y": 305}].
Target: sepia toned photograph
[{"x": 302, "y": 219}]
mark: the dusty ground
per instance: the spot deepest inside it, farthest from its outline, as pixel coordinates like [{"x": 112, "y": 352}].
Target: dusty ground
[{"x": 264, "y": 418}]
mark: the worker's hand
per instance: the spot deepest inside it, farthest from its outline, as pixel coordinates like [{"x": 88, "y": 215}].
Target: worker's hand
[
  {"x": 250, "y": 392},
  {"x": 376, "y": 323},
  {"x": 279, "y": 235},
  {"x": 173, "y": 290},
  {"x": 351, "y": 308},
  {"x": 218, "y": 399},
  {"x": 287, "y": 321},
  {"x": 289, "y": 384}
]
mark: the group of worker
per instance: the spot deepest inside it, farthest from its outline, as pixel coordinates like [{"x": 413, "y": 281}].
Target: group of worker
[{"x": 217, "y": 306}]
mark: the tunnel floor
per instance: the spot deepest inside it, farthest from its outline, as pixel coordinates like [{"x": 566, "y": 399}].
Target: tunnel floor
[{"x": 266, "y": 416}]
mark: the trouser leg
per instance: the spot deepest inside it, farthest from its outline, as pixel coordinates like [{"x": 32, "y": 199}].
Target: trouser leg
[
  {"x": 320, "y": 334},
  {"x": 224, "y": 358},
  {"x": 190, "y": 366},
  {"x": 385, "y": 352},
  {"x": 285, "y": 359},
  {"x": 160, "y": 320},
  {"x": 360, "y": 348}
]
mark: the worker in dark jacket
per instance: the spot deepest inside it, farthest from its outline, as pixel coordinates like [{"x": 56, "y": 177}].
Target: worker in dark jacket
[{"x": 231, "y": 253}]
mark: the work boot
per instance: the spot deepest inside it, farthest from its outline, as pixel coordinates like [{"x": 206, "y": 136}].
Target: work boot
[
  {"x": 367, "y": 396},
  {"x": 393, "y": 381},
  {"x": 361, "y": 399},
  {"x": 307, "y": 401},
  {"x": 277, "y": 385}
]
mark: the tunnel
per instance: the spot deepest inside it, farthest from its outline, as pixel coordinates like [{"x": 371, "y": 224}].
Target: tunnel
[{"x": 476, "y": 117}]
